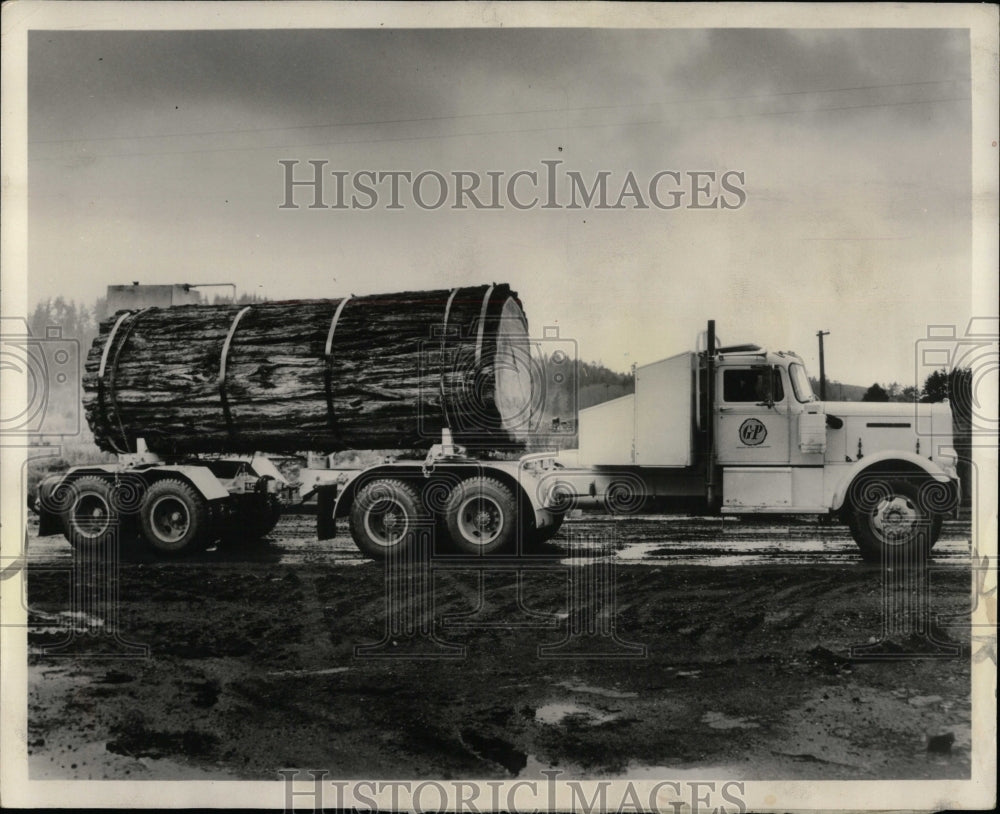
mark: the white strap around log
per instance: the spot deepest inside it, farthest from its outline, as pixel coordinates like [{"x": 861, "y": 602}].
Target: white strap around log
[
  {"x": 225, "y": 348},
  {"x": 110, "y": 342},
  {"x": 328, "y": 361},
  {"x": 444, "y": 338},
  {"x": 447, "y": 313},
  {"x": 107, "y": 386},
  {"x": 333, "y": 325},
  {"x": 482, "y": 323},
  {"x": 222, "y": 372}
]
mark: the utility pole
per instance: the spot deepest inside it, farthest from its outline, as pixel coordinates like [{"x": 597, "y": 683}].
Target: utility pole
[{"x": 822, "y": 367}]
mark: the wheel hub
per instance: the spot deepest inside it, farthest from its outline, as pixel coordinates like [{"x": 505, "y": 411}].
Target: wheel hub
[
  {"x": 170, "y": 519},
  {"x": 92, "y": 515},
  {"x": 896, "y": 519},
  {"x": 386, "y": 522},
  {"x": 480, "y": 520}
]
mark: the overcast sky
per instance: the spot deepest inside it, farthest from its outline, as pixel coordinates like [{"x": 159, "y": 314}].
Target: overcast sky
[{"x": 153, "y": 156}]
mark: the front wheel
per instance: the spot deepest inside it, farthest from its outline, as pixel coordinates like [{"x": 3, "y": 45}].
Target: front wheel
[
  {"x": 889, "y": 520},
  {"x": 173, "y": 518},
  {"x": 481, "y": 515}
]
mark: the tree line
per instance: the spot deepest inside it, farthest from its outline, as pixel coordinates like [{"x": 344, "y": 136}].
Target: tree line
[{"x": 938, "y": 386}]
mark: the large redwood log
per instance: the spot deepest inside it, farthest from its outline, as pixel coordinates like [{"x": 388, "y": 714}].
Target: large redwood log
[{"x": 375, "y": 372}]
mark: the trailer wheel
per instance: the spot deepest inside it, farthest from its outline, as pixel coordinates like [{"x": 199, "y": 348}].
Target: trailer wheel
[
  {"x": 265, "y": 524},
  {"x": 251, "y": 525},
  {"x": 90, "y": 520},
  {"x": 174, "y": 518},
  {"x": 481, "y": 515},
  {"x": 382, "y": 517},
  {"x": 891, "y": 522}
]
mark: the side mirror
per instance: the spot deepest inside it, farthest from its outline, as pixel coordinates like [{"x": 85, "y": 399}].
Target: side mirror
[{"x": 768, "y": 395}]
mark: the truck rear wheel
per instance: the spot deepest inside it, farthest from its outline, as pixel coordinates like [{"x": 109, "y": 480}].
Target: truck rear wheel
[
  {"x": 383, "y": 516},
  {"x": 174, "y": 518},
  {"x": 481, "y": 515},
  {"x": 891, "y": 522},
  {"x": 90, "y": 520}
]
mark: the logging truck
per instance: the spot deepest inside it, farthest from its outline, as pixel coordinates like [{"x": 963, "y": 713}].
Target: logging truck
[
  {"x": 730, "y": 430},
  {"x": 719, "y": 430}
]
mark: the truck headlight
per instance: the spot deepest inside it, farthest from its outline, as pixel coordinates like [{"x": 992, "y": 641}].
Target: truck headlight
[{"x": 946, "y": 457}]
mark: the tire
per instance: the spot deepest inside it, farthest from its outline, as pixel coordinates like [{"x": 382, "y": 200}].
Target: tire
[
  {"x": 937, "y": 522},
  {"x": 481, "y": 516},
  {"x": 91, "y": 521},
  {"x": 535, "y": 537},
  {"x": 891, "y": 523},
  {"x": 251, "y": 526},
  {"x": 383, "y": 515},
  {"x": 174, "y": 519}
]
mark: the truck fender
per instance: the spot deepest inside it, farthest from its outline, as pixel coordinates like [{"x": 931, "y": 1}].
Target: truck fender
[
  {"x": 200, "y": 477},
  {"x": 444, "y": 474},
  {"x": 908, "y": 463},
  {"x": 346, "y": 491},
  {"x": 54, "y": 493},
  {"x": 343, "y": 500},
  {"x": 264, "y": 466}
]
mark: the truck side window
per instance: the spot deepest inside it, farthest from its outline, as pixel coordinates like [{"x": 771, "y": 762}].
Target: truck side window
[
  {"x": 777, "y": 390},
  {"x": 750, "y": 385}
]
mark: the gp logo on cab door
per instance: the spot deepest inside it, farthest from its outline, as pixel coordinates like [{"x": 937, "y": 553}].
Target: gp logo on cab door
[{"x": 752, "y": 432}]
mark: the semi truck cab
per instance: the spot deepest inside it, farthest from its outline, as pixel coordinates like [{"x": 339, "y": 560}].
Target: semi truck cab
[
  {"x": 738, "y": 430},
  {"x": 782, "y": 450}
]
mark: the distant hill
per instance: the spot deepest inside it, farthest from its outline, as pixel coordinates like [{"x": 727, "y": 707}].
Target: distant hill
[
  {"x": 566, "y": 388},
  {"x": 838, "y": 391}
]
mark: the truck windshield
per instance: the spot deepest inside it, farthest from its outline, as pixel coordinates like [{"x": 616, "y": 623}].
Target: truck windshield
[{"x": 800, "y": 383}]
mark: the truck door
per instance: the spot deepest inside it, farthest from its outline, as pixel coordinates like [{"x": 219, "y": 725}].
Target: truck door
[{"x": 751, "y": 416}]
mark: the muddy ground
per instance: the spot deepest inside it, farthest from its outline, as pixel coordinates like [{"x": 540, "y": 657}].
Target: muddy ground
[{"x": 650, "y": 647}]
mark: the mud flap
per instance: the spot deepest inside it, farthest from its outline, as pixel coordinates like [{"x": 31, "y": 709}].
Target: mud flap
[
  {"x": 48, "y": 524},
  {"x": 326, "y": 499}
]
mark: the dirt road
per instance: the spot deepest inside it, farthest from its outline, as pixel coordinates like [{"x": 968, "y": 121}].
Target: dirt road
[{"x": 673, "y": 647}]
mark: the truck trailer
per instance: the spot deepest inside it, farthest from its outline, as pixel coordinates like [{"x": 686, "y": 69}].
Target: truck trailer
[{"x": 718, "y": 430}]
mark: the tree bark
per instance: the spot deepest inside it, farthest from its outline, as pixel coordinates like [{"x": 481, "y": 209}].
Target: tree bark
[{"x": 271, "y": 378}]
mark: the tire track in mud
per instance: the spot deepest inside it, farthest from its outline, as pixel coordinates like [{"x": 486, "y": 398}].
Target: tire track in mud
[
  {"x": 502, "y": 712},
  {"x": 632, "y": 540},
  {"x": 257, "y": 651}
]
